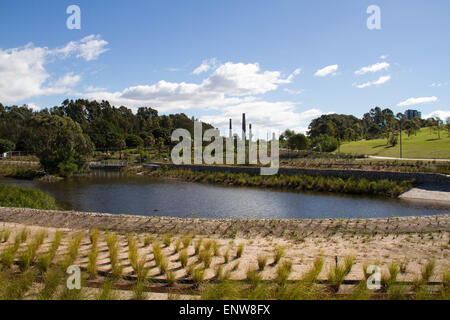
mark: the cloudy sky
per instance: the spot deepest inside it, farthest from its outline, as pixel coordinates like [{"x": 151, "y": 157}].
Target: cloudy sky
[{"x": 283, "y": 63}]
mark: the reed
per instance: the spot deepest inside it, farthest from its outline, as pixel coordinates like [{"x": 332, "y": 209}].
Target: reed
[
  {"x": 52, "y": 279},
  {"x": 72, "y": 250},
  {"x": 278, "y": 254},
  {"x": 157, "y": 252},
  {"x": 205, "y": 256},
  {"x": 27, "y": 256},
  {"x": 262, "y": 261},
  {"x": 107, "y": 292},
  {"x": 254, "y": 277},
  {"x": 283, "y": 272},
  {"x": 427, "y": 271},
  {"x": 93, "y": 254},
  {"x": 240, "y": 250},
  {"x": 337, "y": 274},
  {"x": 184, "y": 257},
  {"x": 111, "y": 242}
]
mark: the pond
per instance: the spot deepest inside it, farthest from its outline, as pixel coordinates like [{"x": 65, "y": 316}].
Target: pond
[{"x": 113, "y": 192}]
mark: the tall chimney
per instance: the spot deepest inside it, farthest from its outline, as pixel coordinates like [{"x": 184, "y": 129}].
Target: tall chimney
[
  {"x": 250, "y": 135},
  {"x": 231, "y": 128},
  {"x": 244, "y": 135}
]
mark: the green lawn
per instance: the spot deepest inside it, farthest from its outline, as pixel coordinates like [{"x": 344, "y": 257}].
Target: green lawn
[{"x": 423, "y": 145}]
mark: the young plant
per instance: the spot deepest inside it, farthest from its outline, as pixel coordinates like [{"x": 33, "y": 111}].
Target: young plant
[
  {"x": 72, "y": 250},
  {"x": 262, "y": 261},
  {"x": 283, "y": 272},
  {"x": 427, "y": 271},
  {"x": 167, "y": 240},
  {"x": 184, "y": 257},
  {"x": 170, "y": 277},
  {"x": 111, "y": 241},
  {"x": 254, "y": 277},
  {"x": 337, "y": 274},
  {"x": 205, "y": 256},
  {"x": 107, "y": 292},
  {"x": 240, "y": 251},
  {"x": 279, "y": 253}
]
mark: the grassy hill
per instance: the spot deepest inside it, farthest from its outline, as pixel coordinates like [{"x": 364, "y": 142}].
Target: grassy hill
[{"x": 423, "y": 145}]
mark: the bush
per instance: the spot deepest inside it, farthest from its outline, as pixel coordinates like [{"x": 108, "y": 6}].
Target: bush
[
  {"x": 6, "y": 145},
  {"x": 393, "y": 140},
  {"x": 26, "y": 198},
  {"x": 133, "y": 141},
  {"x": 326, "y": 143}
]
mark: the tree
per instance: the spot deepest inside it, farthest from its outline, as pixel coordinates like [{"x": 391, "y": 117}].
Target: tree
[
  {"x": 325, "y": 143},
  {"x": 298, "y": 141},
  {"x": 59, "y": 143}
]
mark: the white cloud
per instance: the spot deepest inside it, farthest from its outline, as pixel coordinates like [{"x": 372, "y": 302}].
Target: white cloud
[
  {"x": 93, "y": 89},
  {"x": 442, "y": 114},
  {"x": 373, "y": 68},
  {"x": 381, "y": 80},
  {"x": 205, "y": 66},
  {"x": 295, "y": 92},
  {"x": 230, "y": 84},
  {"x": 383, "y": 57},
  {"x": 438, "y": 84},
  {"x": 329, "y": 70},
  {"x": 265, "y": 117},
  {"x": 413, "y": 101},
  {"x": 88, "y": 48},
  {"x": 68, "y": 80},
  {"x": 23, "y": 73}
]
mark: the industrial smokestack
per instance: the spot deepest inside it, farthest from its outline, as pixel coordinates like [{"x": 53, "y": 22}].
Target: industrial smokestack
[
  {"x": 244, "y": 131},
  {"x": 231, "y": 128},
  {"x": 250, "y": 135}
]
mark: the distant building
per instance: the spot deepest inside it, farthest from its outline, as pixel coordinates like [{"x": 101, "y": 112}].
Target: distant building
[{"x": 410, "y": 114}]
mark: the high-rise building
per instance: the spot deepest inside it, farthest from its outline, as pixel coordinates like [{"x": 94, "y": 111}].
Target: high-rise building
[{"x": 410, "y": 114}]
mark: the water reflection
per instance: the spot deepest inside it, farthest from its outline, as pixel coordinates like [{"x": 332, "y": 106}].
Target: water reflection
[{"x": 115, "y": 192}]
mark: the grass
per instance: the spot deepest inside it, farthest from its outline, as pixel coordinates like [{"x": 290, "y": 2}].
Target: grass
[
  {"x": 240, "y": 251},
  {"x": 19, "y": 197},
  {"x": 278, "y": 254},
  {"x": 27, "y": 256},
  {"x": 93, "y": 254},
  {"x": 262, "y": 261},
  {"x": 46, "y": 258},
  {"x": 72, "y": 250},
  {"x": 184, "y": 257},
  {"x": 424, "y": 145},
  {"x": 337, "y": 273},
  {"x": 298, "y": 183},
  {"x": 52, "y": 280},
  {"x": 283, "y": 272},
  {"x": 111, "y": 242},
  {"x": 107, "y": 292}
]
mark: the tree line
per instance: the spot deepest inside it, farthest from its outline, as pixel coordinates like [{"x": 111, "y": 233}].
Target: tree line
[
  {"x": 64, "y": 137},
  {"x": 328, "y": 131}
]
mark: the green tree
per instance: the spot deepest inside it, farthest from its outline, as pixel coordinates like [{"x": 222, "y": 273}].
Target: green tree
[
  {"x": 59, "y": 143},
  {"x": 298, "y": 141}
]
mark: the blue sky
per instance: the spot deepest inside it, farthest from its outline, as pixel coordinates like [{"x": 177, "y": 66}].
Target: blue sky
[{"x": 281, "y": 62}]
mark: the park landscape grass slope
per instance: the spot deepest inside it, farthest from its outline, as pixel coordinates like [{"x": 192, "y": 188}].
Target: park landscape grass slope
[{"x": 425, "y": 144}]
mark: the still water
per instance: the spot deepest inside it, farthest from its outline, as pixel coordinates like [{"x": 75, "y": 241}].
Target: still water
[{"x": 112, "y": 192}]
